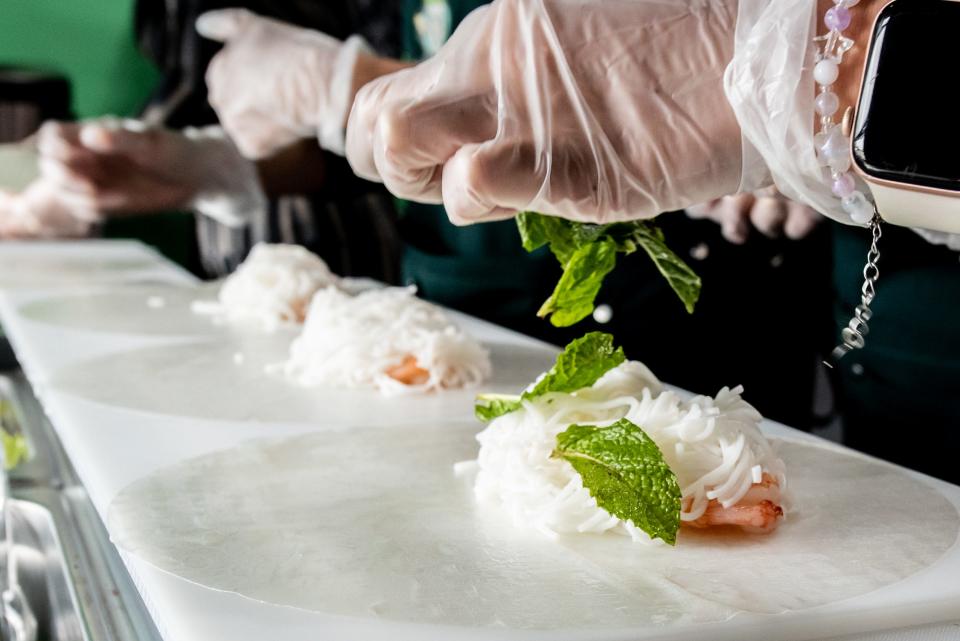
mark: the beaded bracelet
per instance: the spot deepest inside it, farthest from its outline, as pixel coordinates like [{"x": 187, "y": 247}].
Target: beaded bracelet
[
  {"x": 833, "y": 151},
  {"x": 833, "y": 147}
]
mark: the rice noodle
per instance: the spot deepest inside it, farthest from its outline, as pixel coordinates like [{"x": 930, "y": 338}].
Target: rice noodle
[
  {"x": 354, "y": 341},
  {"x": 714, "y": 445},
  {"x": 271, "y": 288}
]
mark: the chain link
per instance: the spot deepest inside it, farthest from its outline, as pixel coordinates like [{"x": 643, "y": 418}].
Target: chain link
[{"x": 855, "y": 333}]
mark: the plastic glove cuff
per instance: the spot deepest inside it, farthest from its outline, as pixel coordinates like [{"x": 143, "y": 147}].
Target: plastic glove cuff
[{"x": 334, "y": 114}]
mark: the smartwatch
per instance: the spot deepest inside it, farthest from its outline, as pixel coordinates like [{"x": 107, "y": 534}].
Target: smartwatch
[{"x": 906, "y": 136}]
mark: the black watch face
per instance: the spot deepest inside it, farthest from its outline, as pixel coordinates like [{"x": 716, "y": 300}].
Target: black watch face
[{"x": 908, "y": 121}]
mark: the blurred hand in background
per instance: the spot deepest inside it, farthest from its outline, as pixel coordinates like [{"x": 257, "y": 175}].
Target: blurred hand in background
[
  {"x": 768, "y": 211},
  {"x": 121, "y": 168},
  {"x": 44, "y": 211}
]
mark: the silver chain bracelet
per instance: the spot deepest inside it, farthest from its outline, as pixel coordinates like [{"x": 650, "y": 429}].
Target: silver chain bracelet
[{"x": 854, "y": 334}]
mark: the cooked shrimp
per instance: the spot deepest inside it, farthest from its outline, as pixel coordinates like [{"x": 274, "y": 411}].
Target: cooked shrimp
[
  {"x": 409, "y": 372},
  {"x": 761, "y": 517},
  {"x": 758, "y": 511},
  {"x": 299, "y": 309}
]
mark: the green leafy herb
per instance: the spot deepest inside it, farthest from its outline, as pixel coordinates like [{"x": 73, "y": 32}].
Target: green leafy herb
[
  {"x": 573, "y": 298},
  {"x": 15, "y": 448},
  {"x": 588, "y": 254},
  {"x": 624, "y": 470},
  {"x": 580, "y": 365},
  {"x": 490, "y": 406}
]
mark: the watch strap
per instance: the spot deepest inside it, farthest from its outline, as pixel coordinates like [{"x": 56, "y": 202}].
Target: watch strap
[{"x": 905, "y": 205}]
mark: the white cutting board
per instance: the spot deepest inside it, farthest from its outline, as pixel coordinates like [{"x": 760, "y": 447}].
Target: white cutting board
[
  {"x": 112, "y": 447},
  {"x": 18, "y": 166}
]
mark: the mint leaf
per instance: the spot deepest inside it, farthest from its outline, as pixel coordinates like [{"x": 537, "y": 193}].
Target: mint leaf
[
  {"x": 581, "y": 364},
  {"x": 533, "y": 233},
  {"x": 624, "y": 470},
  {"x": 681, "y": 278},
  {"x": 573, "y": 298},
  {"x": 490, "y": 406},
  {"x": 537, "y": 230},
  {"x": 584, "y": 269},
  {"x": 15, "y": 448}
]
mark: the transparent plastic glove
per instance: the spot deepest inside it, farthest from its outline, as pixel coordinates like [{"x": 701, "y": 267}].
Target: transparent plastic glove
[
  {"x": 121, "y": 167},
  {"x": 274, "y": 83},
  {"x": 593, "y": 111},
  {"x": 771, "y": 88},
  {"x": 43, "y": 211},
  {"x": 767, "y": 210}
]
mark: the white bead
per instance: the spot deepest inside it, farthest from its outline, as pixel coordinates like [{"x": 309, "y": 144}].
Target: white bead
[
  {"x": 827, "y": 103},
  {"x": 826, "y": 72},
  {"x": 859, "y": 208},
  {"x": 603, "y": 314},
  {"x": 846, "y": 4}
]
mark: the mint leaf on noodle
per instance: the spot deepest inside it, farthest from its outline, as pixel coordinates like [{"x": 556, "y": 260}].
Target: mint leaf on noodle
[
  {"x": 580, "y": 365},
  {"x": 624, "y": 470},
  {"x": 574, "y": 297},
  {"x": 489, "y": 406}
]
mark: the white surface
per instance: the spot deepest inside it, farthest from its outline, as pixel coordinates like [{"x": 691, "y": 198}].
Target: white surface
[
  {"x": 112, "y": 447},
  {"x": 18, "y": 166},
  {"x": 380, "y": 509}
]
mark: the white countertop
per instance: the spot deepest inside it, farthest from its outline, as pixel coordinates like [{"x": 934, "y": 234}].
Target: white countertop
[{"x": 109, "y": 454}]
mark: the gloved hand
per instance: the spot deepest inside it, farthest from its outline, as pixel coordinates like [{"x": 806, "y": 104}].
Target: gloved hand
[
  {"x": 767, "y": 210},
  {"x": 274, "y": 83},
  {"x": 121, "y": 167},
  {"x": 43, "y": 211},
  {"x": 593, "y": 111}
]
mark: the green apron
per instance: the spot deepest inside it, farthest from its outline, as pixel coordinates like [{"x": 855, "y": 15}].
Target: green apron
[
  {"x": 766, "y": 293},
  {"x": 900, "y": 396}
]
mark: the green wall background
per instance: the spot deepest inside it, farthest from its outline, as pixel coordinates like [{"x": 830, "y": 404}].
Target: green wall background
[{"x": 90, "y": 41}]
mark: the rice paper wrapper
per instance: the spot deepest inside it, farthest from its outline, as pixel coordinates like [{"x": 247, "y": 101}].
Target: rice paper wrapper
[
  {"x": 139, "y": 309},
  {"x": 373, "y": 523},
  {"x": 222, "y": 378}
]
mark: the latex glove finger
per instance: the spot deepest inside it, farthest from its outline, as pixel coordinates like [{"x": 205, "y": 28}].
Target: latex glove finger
[
  {"x": 41, "y": 211},
  {"x": 424, "y": 125},
  {"x": 801, "y": 220},
  {"x": 130, "y": 137},
  {"x": 59, "y": 140},
  {"x": 476, "y": 173},
  {"x": 221, "y": 25},
  {"x": 412, "y": 143},
  {"x": 707, "y": 210},
  {"x": 734, "y": 212},
  {"x": 768, "y": 216}
]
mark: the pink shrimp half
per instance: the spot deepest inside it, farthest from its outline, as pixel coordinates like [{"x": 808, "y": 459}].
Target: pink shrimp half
[
  {"x": 409, "y": 372},
  {"x": 758, "y": 512}
]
